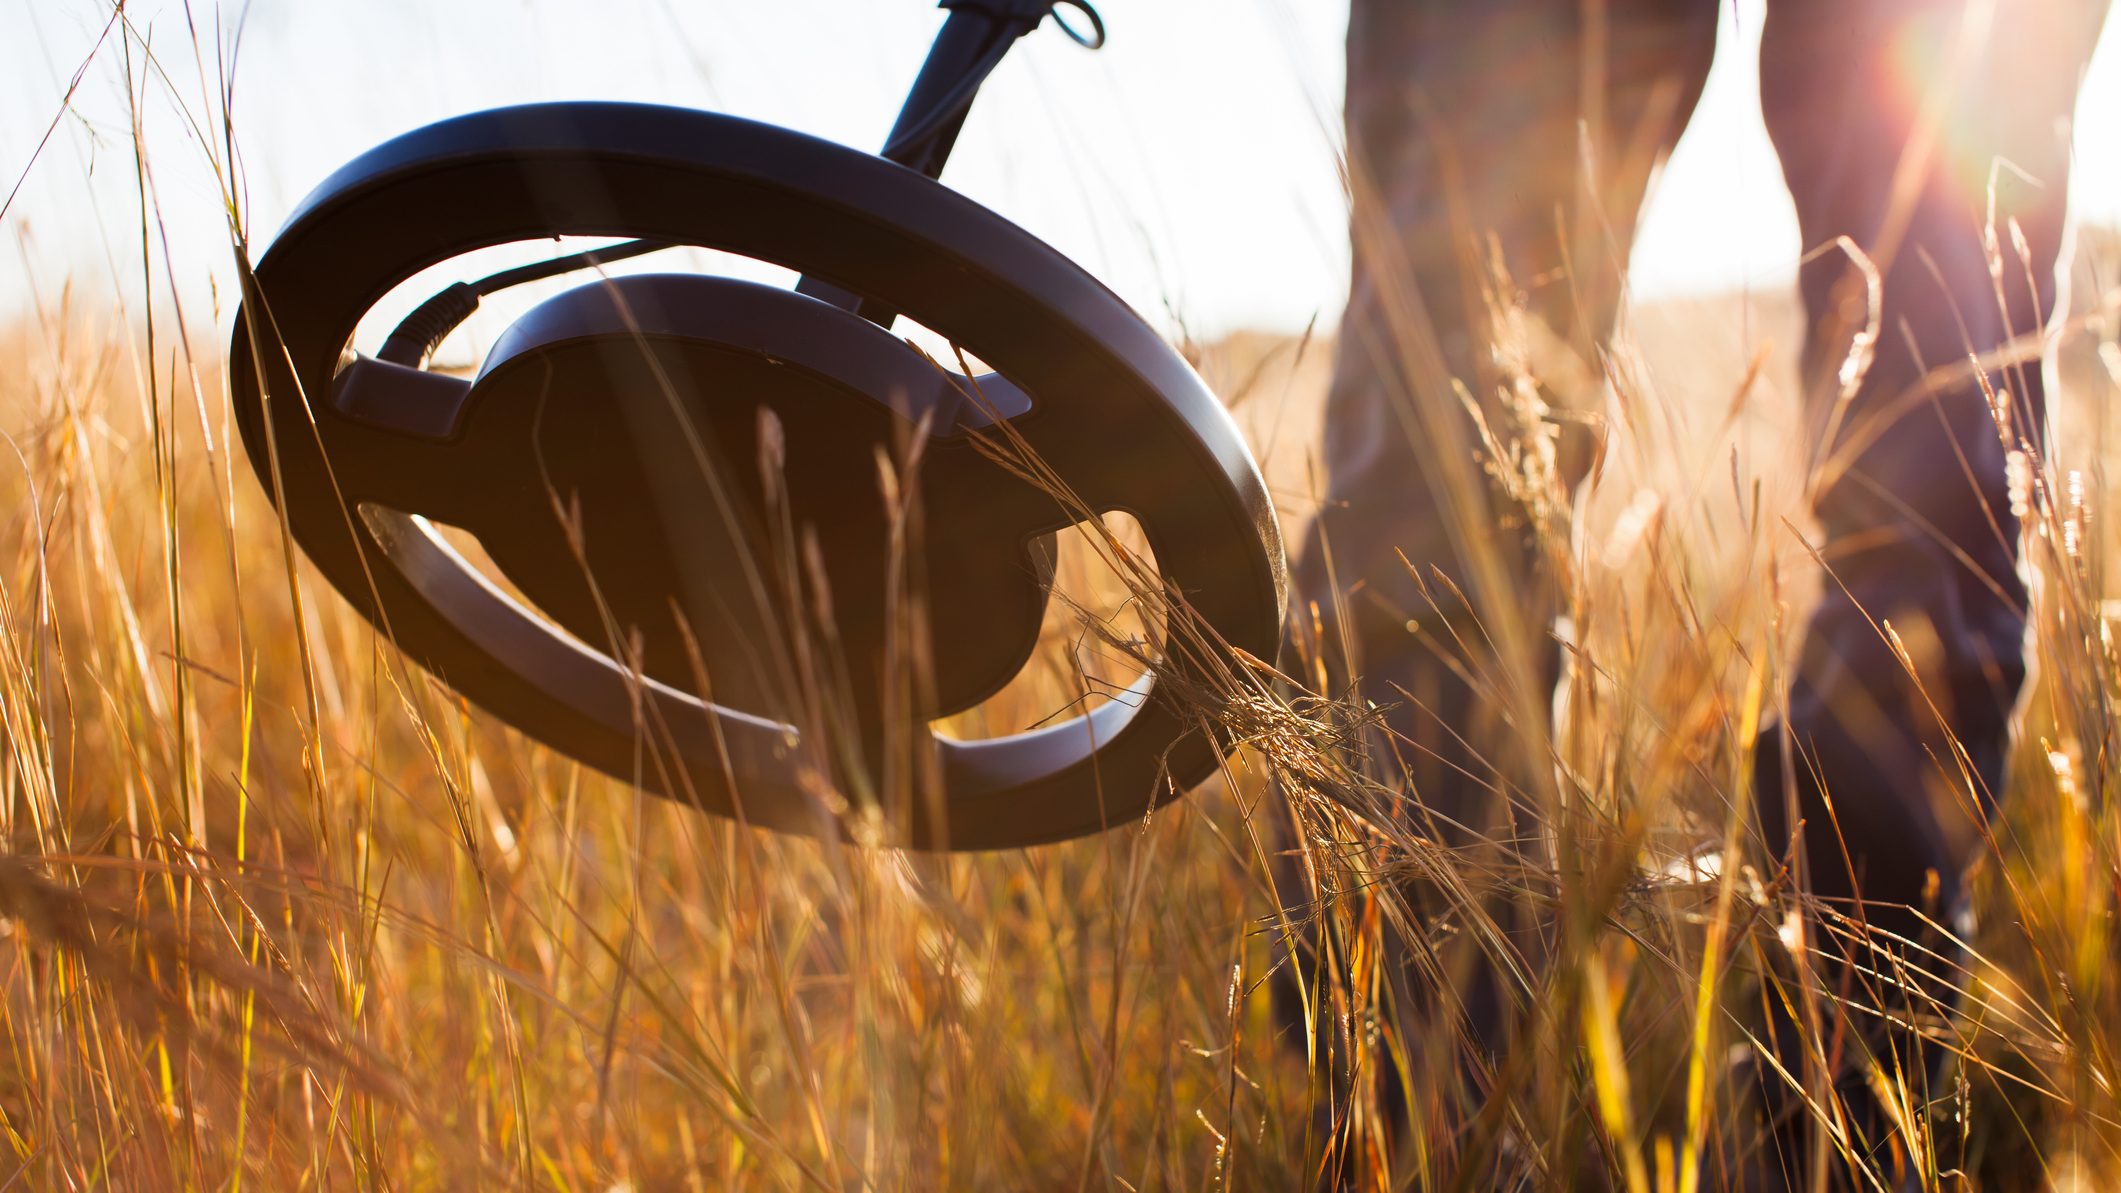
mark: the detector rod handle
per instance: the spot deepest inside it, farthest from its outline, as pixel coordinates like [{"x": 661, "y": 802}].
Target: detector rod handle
[{"x": 971, "y": 43}]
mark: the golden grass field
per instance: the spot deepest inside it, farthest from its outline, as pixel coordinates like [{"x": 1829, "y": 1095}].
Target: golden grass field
[{"x": 278, "y": 911}]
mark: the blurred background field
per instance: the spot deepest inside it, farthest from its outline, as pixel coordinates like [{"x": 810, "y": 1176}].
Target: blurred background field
[{"x": 279, "y": 911}]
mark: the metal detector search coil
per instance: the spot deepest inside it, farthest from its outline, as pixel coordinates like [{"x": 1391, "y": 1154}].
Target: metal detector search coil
[{"x": 608, "y": 454}]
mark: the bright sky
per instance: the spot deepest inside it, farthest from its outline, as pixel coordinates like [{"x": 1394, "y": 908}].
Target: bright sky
[{"x": 1190, "y": 164}]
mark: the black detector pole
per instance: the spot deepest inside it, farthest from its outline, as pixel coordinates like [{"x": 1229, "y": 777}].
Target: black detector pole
[{"x": 971, "y": 43}]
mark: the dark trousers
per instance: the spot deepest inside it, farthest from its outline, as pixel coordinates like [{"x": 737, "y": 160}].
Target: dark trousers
[{"x": 1515, "y": 140}]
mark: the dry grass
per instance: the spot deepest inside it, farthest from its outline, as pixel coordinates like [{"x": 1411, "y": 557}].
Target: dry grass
[{"x": 281, "y": 920}]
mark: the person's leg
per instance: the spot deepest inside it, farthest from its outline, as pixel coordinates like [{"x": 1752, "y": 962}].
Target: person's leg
[
  {"x": 1475, "y": 203},
  {"x": 1497, "y": 156},
  {"x": 1899, "y": 123}
]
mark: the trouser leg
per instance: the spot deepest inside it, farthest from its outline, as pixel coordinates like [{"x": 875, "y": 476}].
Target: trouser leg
[
  {"x": 1465, "y": 160},
  {"x": 1482, "y": 230},
  {"x": 1894, "y": 121}
]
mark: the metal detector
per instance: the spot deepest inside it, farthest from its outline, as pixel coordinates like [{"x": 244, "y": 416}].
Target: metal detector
[{"x": 673, "y": 471}]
